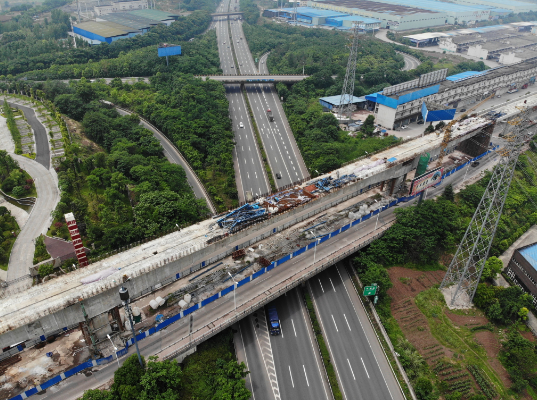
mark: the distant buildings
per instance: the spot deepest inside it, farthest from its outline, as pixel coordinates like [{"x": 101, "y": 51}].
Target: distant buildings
[
  {"x": 111, "y": 27},
  {"x": 522, "y": 269},
  {"x": 403, "y": 14},
  {"x": 121, "y": 6}
]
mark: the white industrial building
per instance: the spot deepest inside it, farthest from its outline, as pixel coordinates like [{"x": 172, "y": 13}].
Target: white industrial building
[
  {"x": 514, "y": 6},
  {"x": 121, "y": 6},
  {"x": 402, "y": 104}
]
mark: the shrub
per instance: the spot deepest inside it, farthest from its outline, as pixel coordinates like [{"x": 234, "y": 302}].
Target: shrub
[
  {"x": 18, "y": 191},
  {"x": 45, "y": 270}
]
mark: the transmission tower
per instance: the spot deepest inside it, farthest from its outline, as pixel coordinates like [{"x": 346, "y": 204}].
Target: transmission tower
[
  {"x": 345, "y": 101},
  {"x": 295, "y": 12},
  {"x": 467, "y": 265}
]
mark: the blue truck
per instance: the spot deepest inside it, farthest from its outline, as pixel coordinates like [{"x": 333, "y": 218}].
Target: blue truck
[{"x": 273, "y": 320}]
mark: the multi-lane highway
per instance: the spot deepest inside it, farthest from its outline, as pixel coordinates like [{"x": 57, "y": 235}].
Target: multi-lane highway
[
  {"x": 283, "y": 155},
  {"x": 249, "y": 169},
  {"x": 353, "y": 354}
]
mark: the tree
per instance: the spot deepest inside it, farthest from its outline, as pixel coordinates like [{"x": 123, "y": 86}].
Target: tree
[
  {"x": 45, "y": 270},
  {"x": 96, "y": 394},
  {"x": 229, "y": 381},
  {"x": 448, "y": 193},
  {"x": 377, "y": 274},
  {"x": 369, "y": 125},
  {"x": 162, "y": 380},
  {"x": 127, "y": 379},
  {"x": 423, "y": 388},
  {"x": 493, "y": 266},
  {"x": 429, "y": 129}
]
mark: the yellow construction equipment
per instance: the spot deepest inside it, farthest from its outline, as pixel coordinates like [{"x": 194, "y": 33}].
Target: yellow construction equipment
[{"x": 447, "y": 129}]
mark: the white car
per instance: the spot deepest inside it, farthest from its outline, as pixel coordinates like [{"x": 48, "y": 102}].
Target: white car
[
  {"x": 241, "y": 125},
  {"x": 404, "y": 126}
]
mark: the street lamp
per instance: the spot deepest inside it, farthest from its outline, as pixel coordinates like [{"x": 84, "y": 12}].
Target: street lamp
[
  {"x": 234, "y": 289},
  {"x": 378, "y": 215},
  {"x": 115, "y": 349},
  {"x": 317, "y": 240},
  {"x": 124, "y": 296}
]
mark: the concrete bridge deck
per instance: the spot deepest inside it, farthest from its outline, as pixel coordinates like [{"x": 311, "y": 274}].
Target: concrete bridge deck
[{"x": 57, "y": 303}]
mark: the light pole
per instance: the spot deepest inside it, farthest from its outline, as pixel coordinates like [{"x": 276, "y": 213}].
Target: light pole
[
  {"x": 115, "y": 348},
  {"x": 467, "y": 168},
  {"x": 378, "y": 215},
  {"x": 316, "y": 244},
  {"x": 234, "y": 289},
  {"x": 124, "y": 296}
]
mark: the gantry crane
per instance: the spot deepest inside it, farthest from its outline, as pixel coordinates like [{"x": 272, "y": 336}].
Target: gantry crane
[{"x": 447, "y": 129}]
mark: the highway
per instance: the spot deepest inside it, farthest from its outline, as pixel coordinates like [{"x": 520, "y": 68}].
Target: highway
[
  {"x": 410, "y": 62},
  {"x": 250, "y": 172},
  {"x": 279, "y": 143},
  {"x": 177, "y": 335},
  {"x": 355, "y": 356}
]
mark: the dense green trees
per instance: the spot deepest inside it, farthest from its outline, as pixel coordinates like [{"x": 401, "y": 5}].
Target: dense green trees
[
  {"x": 194, "y": 115},
  {"x": 519, "y": 356},
  {"x": 27, "y": 52}
]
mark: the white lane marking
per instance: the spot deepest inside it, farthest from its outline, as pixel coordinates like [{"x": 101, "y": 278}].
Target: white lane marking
[
  {"x": 321, "y": 285},
  {"x": 352, "y": 372},
  {"x": 332, "y": 284},
  {"x": 291, "y": 375},
  {"x": 337, "y": 330},
  {"x": 364, "y": 367},
  {"x": 293, "y": 322},
  {"x": 347, "y": 322},
  {"x": 307, "y": 381}
]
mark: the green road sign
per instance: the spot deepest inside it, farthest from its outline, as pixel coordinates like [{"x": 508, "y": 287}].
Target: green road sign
[
  {"x": 370, "y": 290},
  {"x": 256, "y": 59}
]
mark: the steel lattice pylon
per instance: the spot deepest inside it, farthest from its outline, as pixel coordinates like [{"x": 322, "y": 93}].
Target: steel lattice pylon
[
  {"x": 467, "y": 265},
  {"x": 345, "y": 101}
]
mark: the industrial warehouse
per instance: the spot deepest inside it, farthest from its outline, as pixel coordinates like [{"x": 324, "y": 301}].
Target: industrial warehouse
[
  {"x": 409, "y": 102},
  {"x": 108, "y": 28},
  {"x": 399, "y": 15}
]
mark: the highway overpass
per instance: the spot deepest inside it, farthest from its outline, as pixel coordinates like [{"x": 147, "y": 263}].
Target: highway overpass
[
  {"x": 45, "y": 308},
  {"x": 255, "y": 78},
  {"x": 219, "y": 15}
]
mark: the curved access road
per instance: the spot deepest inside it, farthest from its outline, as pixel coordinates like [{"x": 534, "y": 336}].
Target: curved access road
[
  {"x": 410, "y": 62},
  {"x": 42, "y": 148},
  {"x": 175, "y": 157},
  {"x": 48, "y": 196}
]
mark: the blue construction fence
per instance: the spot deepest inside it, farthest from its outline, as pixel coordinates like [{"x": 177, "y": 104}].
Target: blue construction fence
[{"x": 184, "y": 313}]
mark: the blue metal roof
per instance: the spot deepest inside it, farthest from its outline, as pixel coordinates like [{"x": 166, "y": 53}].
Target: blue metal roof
[
  {"x": 464, "y": 75},
  {"x": 335, "y": 100},
  {"x": 530, "y": 254}
]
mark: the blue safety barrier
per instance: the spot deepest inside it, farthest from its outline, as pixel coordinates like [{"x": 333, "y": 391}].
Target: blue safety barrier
[{"x": 227, "y": 290}]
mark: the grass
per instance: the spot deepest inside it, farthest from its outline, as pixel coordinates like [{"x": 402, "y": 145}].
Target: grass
[
  {"x": 329, "y": 367},
  {"x": 40, "y": 253},
  {"x": 459, "y": 339},
  {"x": 12, "y": 125}
]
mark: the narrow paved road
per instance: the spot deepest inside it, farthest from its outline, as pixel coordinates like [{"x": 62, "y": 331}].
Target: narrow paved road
[
  {"x": 22, "y": 254},
  {"x": 175, "y": 157},
  {"x": 410, "y": 62},
  {"x": 40, "y": 134}
]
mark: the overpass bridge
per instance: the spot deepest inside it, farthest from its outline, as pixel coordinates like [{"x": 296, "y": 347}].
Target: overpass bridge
[
  {"x": 227, "y": 14},
  {"x": 174, "y": 258},
  {"x": 254, "y": 78}
]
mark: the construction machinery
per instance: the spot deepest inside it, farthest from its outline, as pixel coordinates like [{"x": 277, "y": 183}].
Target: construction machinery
[{"x": 447, "y": 129}]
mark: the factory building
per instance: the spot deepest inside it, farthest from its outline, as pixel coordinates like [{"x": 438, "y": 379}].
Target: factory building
[
  {"x": 120, "y": 6},
  {"x": 415, "y": 14},
  {"x": 103, "y": 32},
  {"x": 111, "y": 27},
  {"x": 514, "y": 6},
  {"x": 318, "y": 17},
  {"x": 522, "y": 269},
  {"x": 402, "y": 104},
  {"x": 391, "y": 16}
]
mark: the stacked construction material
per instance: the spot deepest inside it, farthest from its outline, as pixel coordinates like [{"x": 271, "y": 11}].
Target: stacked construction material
[{"x": 242, "y": 217}]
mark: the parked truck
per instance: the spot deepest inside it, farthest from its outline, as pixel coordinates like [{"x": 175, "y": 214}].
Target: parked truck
[
  {"x": 270, "y": 116},
  {"x": 274, "y": 321}
]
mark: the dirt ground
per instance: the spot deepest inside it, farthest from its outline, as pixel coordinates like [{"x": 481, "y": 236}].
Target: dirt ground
[
  {"x": 406, "y": 285},
  {"x": 36, "y": 367}
]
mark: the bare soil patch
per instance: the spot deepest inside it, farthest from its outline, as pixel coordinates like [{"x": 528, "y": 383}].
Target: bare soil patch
[
  {"x": 408, "y": 282},
  {"x": 491, "y": 343},
  {"x": 468, "y": 321}
]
